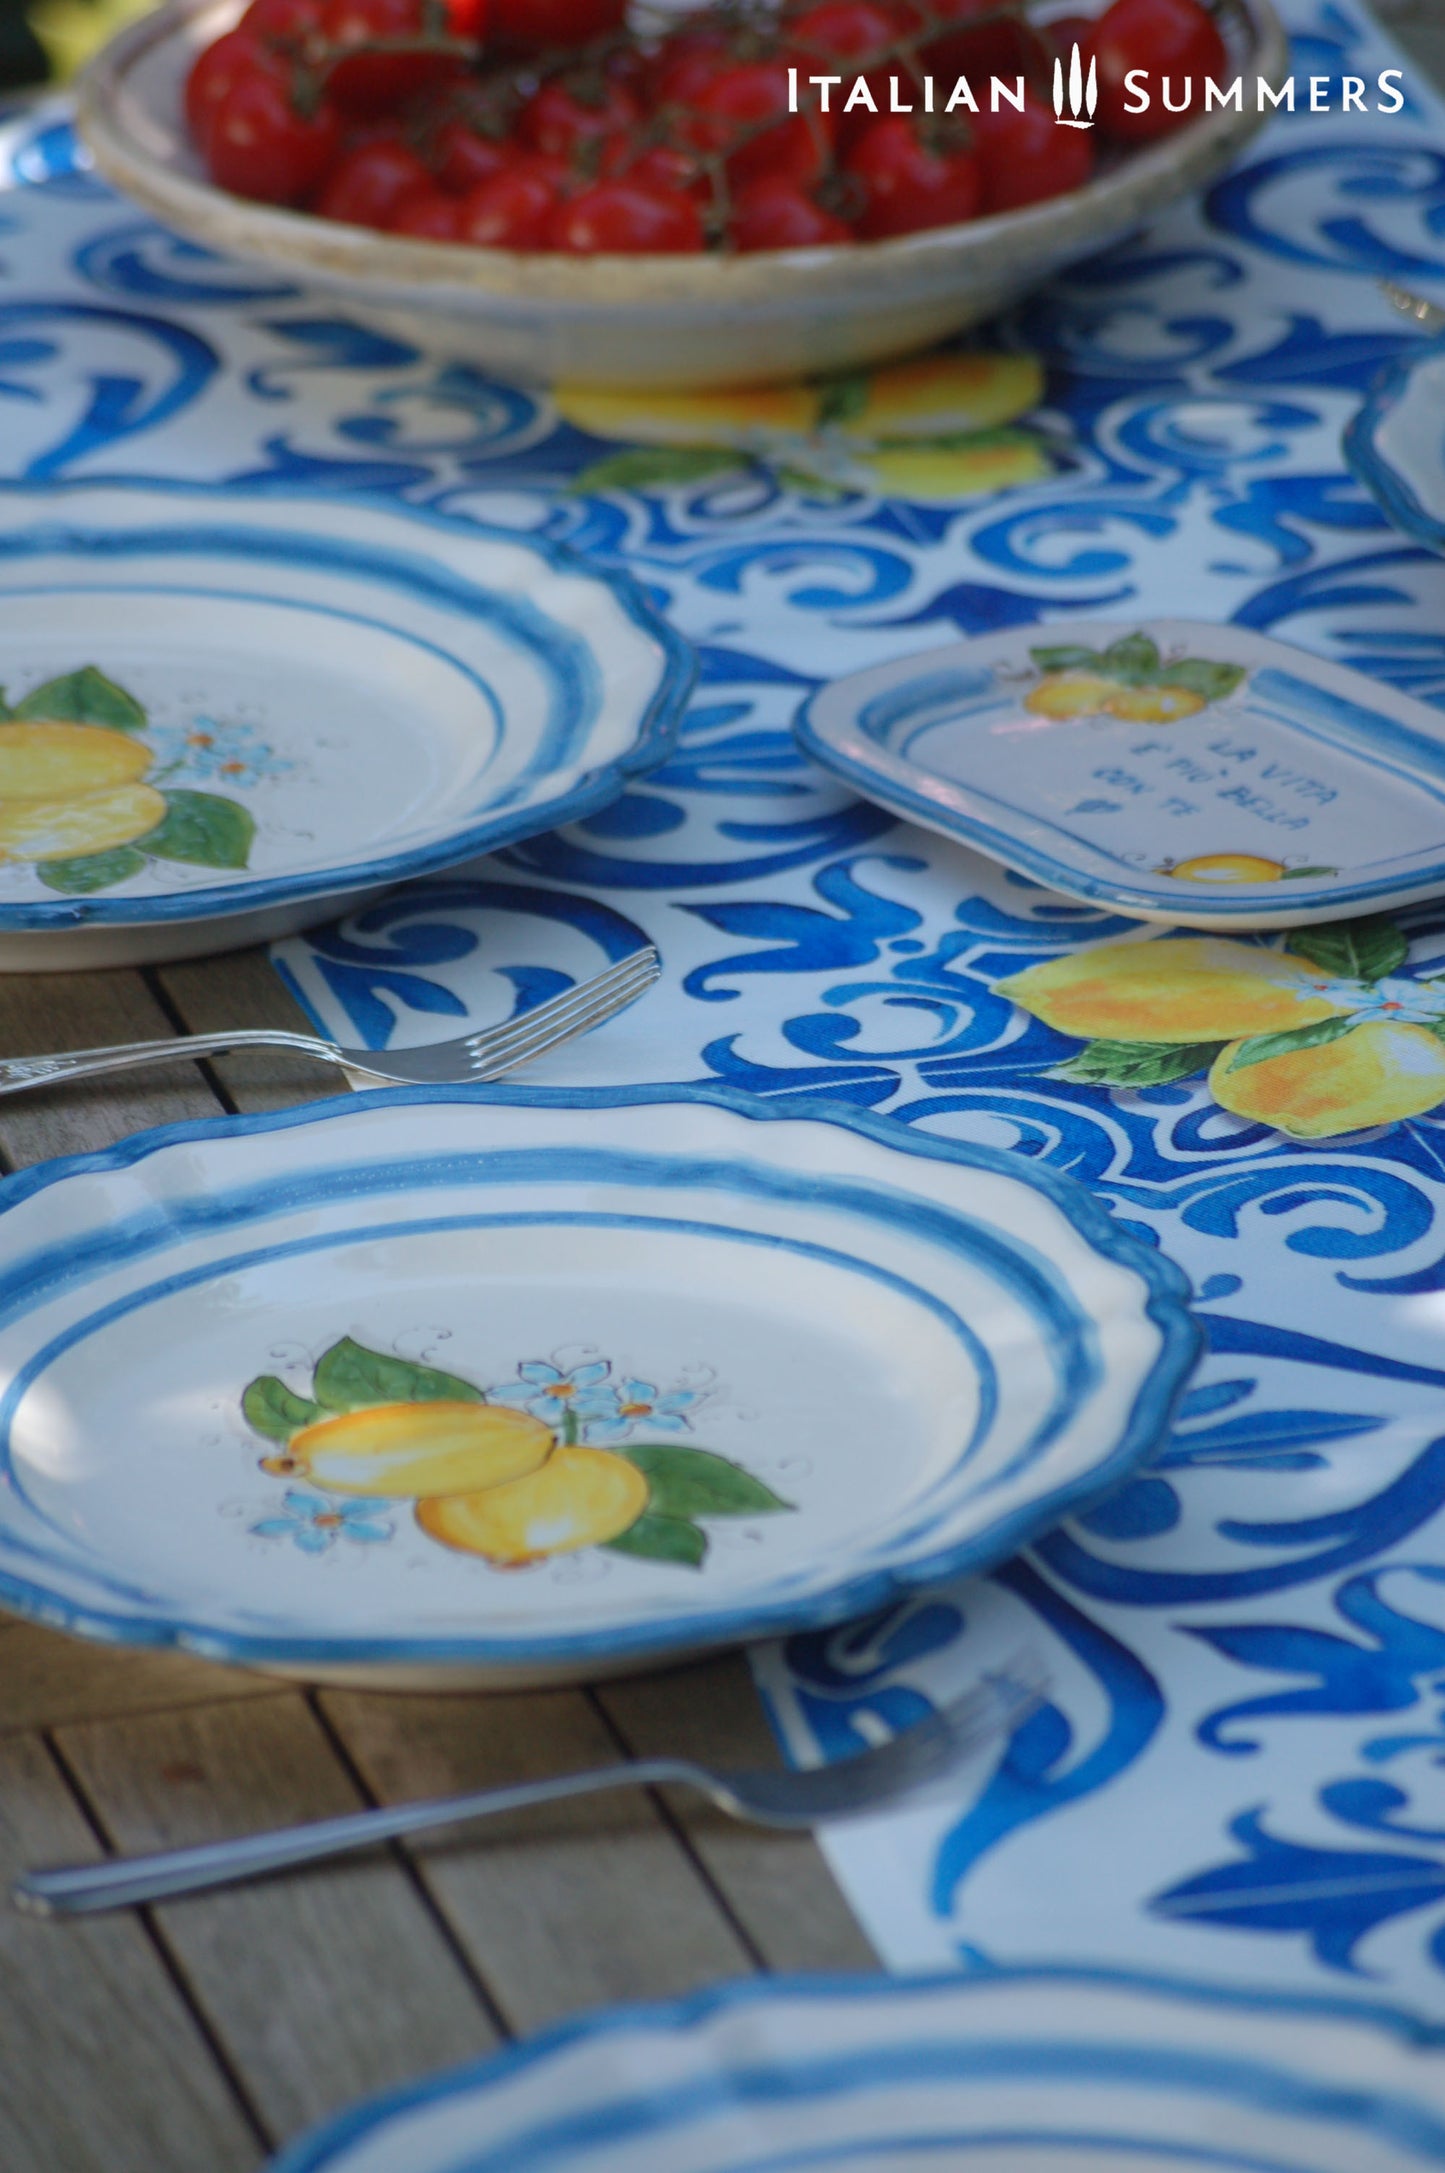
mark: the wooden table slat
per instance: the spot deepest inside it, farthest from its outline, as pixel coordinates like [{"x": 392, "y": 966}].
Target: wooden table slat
[
  {"x": 566, "y": 1907},
  {"x": 104, "y": 2070},
  {"x": 777, "y": 1885},
  {"x": 323, "y": 1985}
]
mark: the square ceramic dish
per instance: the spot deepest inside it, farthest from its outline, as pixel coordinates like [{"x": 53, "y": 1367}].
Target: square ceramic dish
[{"x": 1200, "y": 775}]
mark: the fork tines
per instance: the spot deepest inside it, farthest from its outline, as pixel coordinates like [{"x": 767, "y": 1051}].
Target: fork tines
[{"x": 499, "y": 1048}]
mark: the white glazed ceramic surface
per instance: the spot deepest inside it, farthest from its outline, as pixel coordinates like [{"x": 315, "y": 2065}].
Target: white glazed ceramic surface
[
  {"x": 625, "y": 320},
  {"x": 1396, "y": 443},
  {"x": 1200, "y": 775},
  {"x": 303, "y": 700},
  {"x": 1011, "y": 2072},
  {"x": 843, "y": 1365}
]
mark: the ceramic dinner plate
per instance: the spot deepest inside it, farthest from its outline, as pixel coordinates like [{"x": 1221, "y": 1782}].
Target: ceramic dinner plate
[
  {"x": 226, "y": 715},
  {"x": 1396, "y": 444},
  {"x": 1201, "y": 775},
  {"x": 431, "y": 1387},
  {"x": 1012, "y": 2072}
]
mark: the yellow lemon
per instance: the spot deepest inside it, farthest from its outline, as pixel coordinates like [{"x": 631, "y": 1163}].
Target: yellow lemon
[
  {"x": 1377, "y": 1074},
  {"x": 92, "y": 822},
  {"x": 689, "y": 418},
  {"x": 1183, "y": 988},
  {"x": 1226, "y": 868},
  {"x": 1070, "y": 694},
  {"x": 922, "y": 471},
  {"x": 42, "y": 761},
  {"x": 416, "y": 1448},
  {"x": 579, "y": 1498},
  {"x": 943, "y": 393},
  {"x": 1154, "y": 705}
]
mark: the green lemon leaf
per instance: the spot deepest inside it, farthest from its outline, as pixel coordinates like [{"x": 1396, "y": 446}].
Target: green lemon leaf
[
  {"x": 1294, "y": 875},
  {"x": 696, "y": 1483},
  {"x": 963, "y": 441},
  {"x": 1260, "y": 1047},
  {"x": 1137, "y": 1063},
  {"x": 91, "y": 871},
  {"x": 655, "y": 464},
  {"x": 83, "y": 697},
  {"x": 805, "y": 484},
  {"x": 1363, "y": 950},
  {"x": 1069, "y": 658},
  {"x": 662, "y": 1539},
  {"x": 203, "y": 829},
  {"x": 843, "y": 399},
  {"x": 1202, "y": 676},
  {"x": 270, "y": 1407},
  {"x": 1135, "y": 659},
  {"x": 349, "y": 1377}
]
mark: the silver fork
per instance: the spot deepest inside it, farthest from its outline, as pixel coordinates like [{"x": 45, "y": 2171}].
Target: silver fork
[
  {"x": 471, "y": 1057},
  {"x": 908, "y": 1762}
]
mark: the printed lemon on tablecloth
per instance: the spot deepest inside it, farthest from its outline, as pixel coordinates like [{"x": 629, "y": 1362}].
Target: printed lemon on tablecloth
[
  {"x": 1325, "y": 1037},
  {"x": 513, "y": 1474},
  {"x": 933, "y": 428}
]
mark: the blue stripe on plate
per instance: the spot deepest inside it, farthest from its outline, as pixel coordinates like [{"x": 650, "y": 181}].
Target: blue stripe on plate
[
  {"x": 867, "y": 1588},
  {"x": 578, "y": 675},
  {"x": 1410, "y": 2124}
]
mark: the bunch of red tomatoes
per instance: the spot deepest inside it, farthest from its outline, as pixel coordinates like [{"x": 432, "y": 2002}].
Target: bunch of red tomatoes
[{"x": 546, "y": 124}]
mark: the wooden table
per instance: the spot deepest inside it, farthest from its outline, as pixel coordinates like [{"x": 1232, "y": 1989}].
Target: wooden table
[{"x": 194, "y": 2038}]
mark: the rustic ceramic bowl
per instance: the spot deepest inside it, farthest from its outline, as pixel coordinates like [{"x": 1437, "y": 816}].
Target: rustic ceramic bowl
[{"x": 640, "y": 321}]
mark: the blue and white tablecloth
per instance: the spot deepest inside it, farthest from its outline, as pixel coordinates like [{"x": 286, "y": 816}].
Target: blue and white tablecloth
[{"x": 1240, "y": 1771}]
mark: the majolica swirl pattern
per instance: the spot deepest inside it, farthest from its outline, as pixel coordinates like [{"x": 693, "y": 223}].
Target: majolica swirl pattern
[{"x": 1237, "y": 1772}]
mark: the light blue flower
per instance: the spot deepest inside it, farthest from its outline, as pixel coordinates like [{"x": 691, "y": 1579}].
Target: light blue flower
[
  {"x": 315, "y": 1523},
  {"x": 548, "y": 1393},
  {"x": 640, "y": 1403},
  {"x": 227, "y": 753}
]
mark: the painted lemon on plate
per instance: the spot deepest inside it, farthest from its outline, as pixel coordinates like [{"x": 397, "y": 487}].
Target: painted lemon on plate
[
  {"x": 418, "y": 1449},
  {"x": 580, "y": 1497},
  {"x": 68, "y": 789}
]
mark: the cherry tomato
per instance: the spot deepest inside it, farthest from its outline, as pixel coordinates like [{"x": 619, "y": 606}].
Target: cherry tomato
[
  {"x": 777, "y": 214},
  {"x": 565, "y": 114},
  {"x": 464, "y": 158},
  {"x": 744, "y": 113},
  {"x": 511, "y": 210},
  {"x": 467, "y": 18},
  {"x": 685, "y": 64},
  {"x": 258, "y": 145},
  {"x": 368, "y": 83},
  {"x": 1172, "y": 40},
  {"x": 533, "y": 23},
  {"x": 1026, "y": 157},
  {"x": 217, "y": 71},
  {"x": 1067, "y": 31},
  {"x": 628, "y": 218},
  {"x": 856, "y": 30},
  {"x": 660, "y": 166},
  {"x": 288, "y": 21},
  {"x": 909, "y": 183},
  {"x": 979, "y": 39},
  {"x": 366, "y": 185},
  {"x": 429, "y": 214}
]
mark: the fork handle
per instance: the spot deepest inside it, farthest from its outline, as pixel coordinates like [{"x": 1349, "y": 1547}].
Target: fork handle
[
  {"x": 19, "y": 1072},
  {"x": 81, "y": 1889}
]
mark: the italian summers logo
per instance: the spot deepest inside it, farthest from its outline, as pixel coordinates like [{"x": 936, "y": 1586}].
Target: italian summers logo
[{"x": 1076, "y": 93}]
